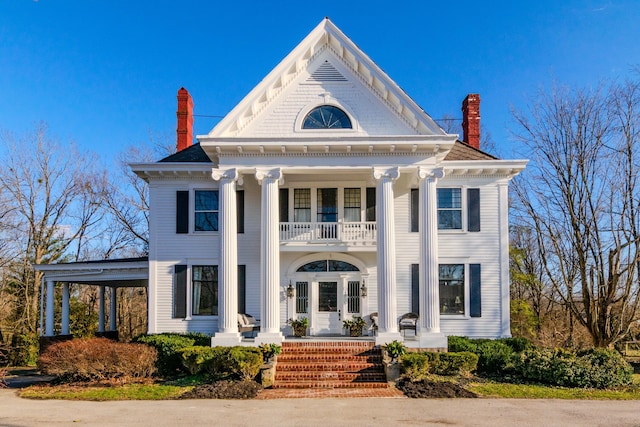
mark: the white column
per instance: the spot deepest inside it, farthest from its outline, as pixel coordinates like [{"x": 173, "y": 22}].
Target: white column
[
  {"x": 429, "y": 289},
  {"x": 65, "y": 309},
  {"x": 50, "y": 310},
  {"x": 503, "y": 216},
  {"x": 386, "y": 255},
  {"x": 101, "y": 308},
  {"x": 269, "y": 257},
  {"x": 113, "y": 305},
  {"x": 227, "y": 334}
]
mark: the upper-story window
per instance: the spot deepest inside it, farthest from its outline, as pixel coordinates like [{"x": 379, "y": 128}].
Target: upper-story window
[
  {"x": 326, "y": 117},
  {"x": 206, "y": 210},
  {"x": 449, "y": 209}
]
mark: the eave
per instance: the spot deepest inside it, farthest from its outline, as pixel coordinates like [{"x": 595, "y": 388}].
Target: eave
[{"x": 484, "y": 168}]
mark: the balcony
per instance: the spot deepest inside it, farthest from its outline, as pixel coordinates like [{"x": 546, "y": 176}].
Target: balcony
[{"x": 328, "y": 233}]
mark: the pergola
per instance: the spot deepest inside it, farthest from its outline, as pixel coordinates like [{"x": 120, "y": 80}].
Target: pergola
[{"x": 126, "y": 272}]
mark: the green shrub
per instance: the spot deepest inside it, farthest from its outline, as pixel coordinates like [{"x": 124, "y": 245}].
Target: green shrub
[
  {"x": 596, "y": 368},
  {"x": 495, "y": 358},
  {"x": 169, "y": 346},
  {"x": 517, "y": 344},
  {"x": 415, "y": 366},
  {"x": 458, "y": 344},
  {"x": 24, "y": 350},
  {"x": 462, "y": 363},
  {"x": 245, "y": 362},
  {"x": 222, "y": 362},
  {"x": 98, "y": 359}
]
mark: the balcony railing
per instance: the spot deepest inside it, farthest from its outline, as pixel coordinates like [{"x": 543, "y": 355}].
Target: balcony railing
[{"x": 328, "y": 232}]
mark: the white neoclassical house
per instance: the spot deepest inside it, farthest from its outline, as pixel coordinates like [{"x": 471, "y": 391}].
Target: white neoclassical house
[{"x": 328, "y": 193}]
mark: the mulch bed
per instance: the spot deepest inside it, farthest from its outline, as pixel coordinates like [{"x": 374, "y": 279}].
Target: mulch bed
[
  {"x": 433, "y": 389},
  {"x": 224, "y": 390}
]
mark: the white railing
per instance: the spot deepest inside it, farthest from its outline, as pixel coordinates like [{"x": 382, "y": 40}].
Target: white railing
[{"x": 328, "y": 232}]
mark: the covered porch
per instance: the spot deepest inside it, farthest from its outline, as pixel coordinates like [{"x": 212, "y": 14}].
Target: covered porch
[{"x": 111, "y": 274}]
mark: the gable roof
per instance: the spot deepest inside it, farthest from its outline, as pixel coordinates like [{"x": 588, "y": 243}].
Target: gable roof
[{"x": 325, "y": 36}]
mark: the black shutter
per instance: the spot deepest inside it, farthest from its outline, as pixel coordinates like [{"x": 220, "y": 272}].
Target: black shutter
[
  {"x": 284, "y": 205},
  {"x": 240, "y": 210},
  {"x": 180, "y": 292},
  {"x": 371, "y": 204},
  {"x": 182, "y": 212},
  {"x": 242, "y": 288},
  {"x": 415, "y": 288},
  {"x": 475, "y": 306},
  {"x": 415, "y": 209},
  {"x": 473, "y": 209}
]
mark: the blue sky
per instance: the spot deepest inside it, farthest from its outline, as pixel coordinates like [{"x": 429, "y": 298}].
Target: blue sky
[{"x": 105, "y": 73}]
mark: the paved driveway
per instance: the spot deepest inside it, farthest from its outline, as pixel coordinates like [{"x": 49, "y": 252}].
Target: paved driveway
[{"x": 15, "y": 412}]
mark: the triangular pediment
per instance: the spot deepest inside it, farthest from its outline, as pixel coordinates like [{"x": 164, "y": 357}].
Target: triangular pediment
[{"x": 325, "y": 68}]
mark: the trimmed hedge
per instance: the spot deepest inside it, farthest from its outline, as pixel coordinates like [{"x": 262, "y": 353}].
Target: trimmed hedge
[
  {"x": 223, "y": 362},
  {"x": 417, "y": 366},
  {"x": 169, "y": 346},
  {"x": 98, "y": 359}
]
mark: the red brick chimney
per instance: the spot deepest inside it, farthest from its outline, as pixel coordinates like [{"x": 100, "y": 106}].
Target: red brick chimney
[
  {"x": 185, "y": 119},
  {"x": 471, "y": 120}
]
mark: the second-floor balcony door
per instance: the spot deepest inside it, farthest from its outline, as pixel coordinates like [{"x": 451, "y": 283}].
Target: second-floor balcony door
[{"x": 328, "y": 212}]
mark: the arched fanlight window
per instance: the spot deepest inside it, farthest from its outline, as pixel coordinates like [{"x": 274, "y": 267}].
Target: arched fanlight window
[
  {"x": 327, "y": 265},
  {"x": 326, "y": 117}
]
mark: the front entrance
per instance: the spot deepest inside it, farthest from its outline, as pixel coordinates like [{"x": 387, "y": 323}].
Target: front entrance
[
  {"x": 329, "y": 309},
  {"x": 327, "y": 292}
]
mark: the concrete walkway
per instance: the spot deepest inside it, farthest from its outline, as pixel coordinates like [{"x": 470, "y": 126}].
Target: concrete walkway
[{"x": 17, "y": 412}]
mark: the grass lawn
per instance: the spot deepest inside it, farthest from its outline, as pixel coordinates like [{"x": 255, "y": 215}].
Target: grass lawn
[{"x": 104, "y": 393}]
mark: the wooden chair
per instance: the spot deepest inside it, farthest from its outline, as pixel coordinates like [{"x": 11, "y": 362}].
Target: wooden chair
[
  {"x": 408, "y": 321},
  {"x": 247, "y": 323}
]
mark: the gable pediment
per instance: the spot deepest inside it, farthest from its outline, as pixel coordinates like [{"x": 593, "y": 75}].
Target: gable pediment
[{"x": 325, "y": 68}]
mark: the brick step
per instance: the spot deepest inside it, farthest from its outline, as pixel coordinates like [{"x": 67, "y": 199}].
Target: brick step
[
  {"x": 327, "y": 384},
  {"x": 331, "y": 376},
  {"x": 339, "y": 366},
  {"x": 327, "y": 357}
]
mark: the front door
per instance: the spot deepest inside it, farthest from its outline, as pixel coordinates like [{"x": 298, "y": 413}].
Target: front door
[
  {"x": 329, "y": 309},
  {"x": 327, "y": 212}
]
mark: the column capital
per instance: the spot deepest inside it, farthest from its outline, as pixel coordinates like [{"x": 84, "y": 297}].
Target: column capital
[
  {"x": 382, "y": 172},
  {"x": 226, "y": 174},
  {"x": 275, "y": 174},
  {"x": 426, "y": 172}
]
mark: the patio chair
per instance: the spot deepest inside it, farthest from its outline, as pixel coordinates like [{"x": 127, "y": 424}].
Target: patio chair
[
  {"x": 374, "y": 322},
  {"x": 408, "y": 321},
  {"x": 247, "y": 323}
]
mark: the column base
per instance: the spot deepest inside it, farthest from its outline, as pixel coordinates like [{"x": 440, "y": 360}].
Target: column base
[
  {"x": 433, "y": 340},
  {"x": 386, "y": 337},
  {"x": 226, "y": 339},
  {"x": 269, "y": 338}
]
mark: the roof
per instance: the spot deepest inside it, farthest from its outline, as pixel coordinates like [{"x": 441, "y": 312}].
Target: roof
[
  {"x": 192, "y": 154},
  {"x": 463, "y": 151}
]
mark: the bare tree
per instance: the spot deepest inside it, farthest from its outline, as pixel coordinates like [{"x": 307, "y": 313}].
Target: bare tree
[
  {"x": 54, "y": 195},
  {"x": 580, "y": 200}
]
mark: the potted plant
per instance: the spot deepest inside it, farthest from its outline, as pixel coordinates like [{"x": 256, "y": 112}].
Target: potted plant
[
  {"x": 392, "y": 352},
  {"x": 270, "y": 351},
  {"x": 299, "y": 326},
  {"x": 355, "y": 326}
]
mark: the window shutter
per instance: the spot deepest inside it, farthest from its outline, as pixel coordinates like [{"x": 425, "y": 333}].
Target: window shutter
[
  {"x": 475, "y": 294},
  {"x": 180, "y": 292},
  {"x": 415, "y": 209},
  {"x": 284, "y": 205},
  {"x": 240, "y": 210},
  {"x": 415, "y": 288},
  {"x": 473, "y": 209},
  {"x": 182, "y": 212},
  {"x": 242, "y": 288}
]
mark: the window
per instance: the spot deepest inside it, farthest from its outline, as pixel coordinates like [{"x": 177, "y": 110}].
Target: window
[
  {"x": 449, "y": 209},
  {"x": 415, "y": 288},
  {"x": 206, "y": 210},
  {"x": 451, "y": 277},
  {"x": 205, "y": 290},
  {"x": 302, "y": 205},
  {"x": 326, "y": 117},
  {"x": 302, "y": 297},
  {"x": 323, "y": 265},
  {"x": 415, "y": 210},
  {"x": 242, "y": 289},
  {"x": 327, "y": 205},
  {"x": 352, "y": 204},
  {"x": 353, "y": 296},
  {"x": 371, "y": 204}
]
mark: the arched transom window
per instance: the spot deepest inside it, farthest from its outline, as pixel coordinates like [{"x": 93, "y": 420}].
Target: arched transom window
[
  {"x": 328, "y": 265},
  {"x": 326, "y": 117}
]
